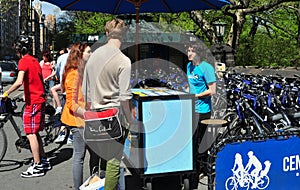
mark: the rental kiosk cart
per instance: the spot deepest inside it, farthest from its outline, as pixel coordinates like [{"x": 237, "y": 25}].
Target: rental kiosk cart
[{"x": 161, "y": 144}]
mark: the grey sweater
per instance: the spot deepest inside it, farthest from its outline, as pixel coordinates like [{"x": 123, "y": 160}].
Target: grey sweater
[{"x": 106, "y": 79}]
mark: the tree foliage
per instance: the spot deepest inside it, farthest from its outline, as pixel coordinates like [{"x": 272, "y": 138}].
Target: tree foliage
[
  {"x": 90, "y": 22},
  {"x": 269, "y": 39},
  {"x": 261, "y": 32},
  {"x": 6, "y": 6}
]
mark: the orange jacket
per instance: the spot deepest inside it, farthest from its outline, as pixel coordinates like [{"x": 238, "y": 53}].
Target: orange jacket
[{"x": 74, "y": 100}]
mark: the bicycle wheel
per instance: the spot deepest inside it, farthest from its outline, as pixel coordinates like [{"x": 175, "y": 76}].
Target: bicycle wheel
[
  {"x": 232, "y": 120},
  {"x": 3, "y": 143},
  {"x": 51, "y": 132},
  {"x": 229, "y": 117},
  {"x": 249, "y": 129},
  {"x": 237, "y": 128},
  {"x": 231, "y": 184},
  {"x": 263, "y": 182},
  {"x": 219, "y": 106}
]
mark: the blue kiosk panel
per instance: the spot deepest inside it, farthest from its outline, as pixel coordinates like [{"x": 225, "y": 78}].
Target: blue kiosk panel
[{"x": 166, "y": 142}]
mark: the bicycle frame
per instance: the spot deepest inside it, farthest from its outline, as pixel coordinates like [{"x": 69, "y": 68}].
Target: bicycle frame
[
  {"x": 9, "y": 117},
  {"x": 48, "y": 135}
]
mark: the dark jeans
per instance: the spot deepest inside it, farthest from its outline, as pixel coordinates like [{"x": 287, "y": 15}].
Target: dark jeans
[
  {"x": 199, "y": 158},
  {"x": 200, "y": 130}
]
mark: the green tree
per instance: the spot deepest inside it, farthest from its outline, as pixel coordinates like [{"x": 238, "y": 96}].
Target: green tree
[
  {"x": 269, "y": 37},
  {"x": 6, "y": 6},
  {"x": 64, "y": 29},
  {"x": 90, "y": 22},
  {"x": 76, "y": 22},
  {"x": 261, "y": 32},
  {"x": 257, "y": 25}
]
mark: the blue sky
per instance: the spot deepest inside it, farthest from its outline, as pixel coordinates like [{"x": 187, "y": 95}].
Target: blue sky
[{"x": 48, "y": 8}]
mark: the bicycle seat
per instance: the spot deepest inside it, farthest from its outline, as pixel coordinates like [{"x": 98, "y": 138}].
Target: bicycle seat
[
  {"x": 50, "y": 110},
  {"x": 274, "y": 117},
  {"x": 292, "y": 112}
]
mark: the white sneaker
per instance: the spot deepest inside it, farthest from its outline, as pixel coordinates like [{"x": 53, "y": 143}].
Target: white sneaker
[
  {"x": 35, "y": 170},
  {"x": 58, "y": 110},
  {"x": 61, "y": 137},
  {"x": 70, "y": 140}
]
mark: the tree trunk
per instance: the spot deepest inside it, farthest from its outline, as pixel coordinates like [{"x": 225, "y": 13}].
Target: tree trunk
[
  {"x": 206, "y": 28},
  {"x": 298, "y": 21}
]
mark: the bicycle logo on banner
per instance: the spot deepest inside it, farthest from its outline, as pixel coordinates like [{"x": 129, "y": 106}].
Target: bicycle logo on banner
[{"x": 251, "y": 176}]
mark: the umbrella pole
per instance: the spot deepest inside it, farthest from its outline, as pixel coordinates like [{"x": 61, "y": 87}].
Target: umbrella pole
[
  {"x": 137, "y": 8},
  {"x": 137, "y": 5},
  {"x": 137, "y": 12}
]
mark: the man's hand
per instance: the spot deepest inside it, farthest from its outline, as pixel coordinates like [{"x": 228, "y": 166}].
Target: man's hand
[{"x": 4, "y": 95}]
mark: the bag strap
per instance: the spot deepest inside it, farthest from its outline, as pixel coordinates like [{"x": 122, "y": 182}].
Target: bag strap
[{"x": 86, "y": 83}]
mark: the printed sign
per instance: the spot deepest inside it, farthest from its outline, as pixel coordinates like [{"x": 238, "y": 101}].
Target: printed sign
[{"x": 271, "y": 164}]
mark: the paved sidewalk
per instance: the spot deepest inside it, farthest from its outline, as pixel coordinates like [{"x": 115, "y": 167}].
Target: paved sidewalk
[
  {"x": 14, "y": 163},
  {"x": 60, "y": 177}
]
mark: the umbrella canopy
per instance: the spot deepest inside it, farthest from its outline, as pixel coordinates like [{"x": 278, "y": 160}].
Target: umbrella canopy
[
  {"x": 142, "y": 6},
  {"x": 137, "y": 6}
]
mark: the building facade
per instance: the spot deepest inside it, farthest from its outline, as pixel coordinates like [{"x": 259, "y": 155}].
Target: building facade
[
  {"x": 22, "y": 16},
  {"x": 9, "y": 29}
]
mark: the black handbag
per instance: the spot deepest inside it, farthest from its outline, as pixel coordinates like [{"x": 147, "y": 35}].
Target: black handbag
[{"x": 103, "y": 125}]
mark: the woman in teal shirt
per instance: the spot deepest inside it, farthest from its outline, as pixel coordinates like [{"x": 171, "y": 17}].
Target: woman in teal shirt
[{"x": 202, "y": 82}]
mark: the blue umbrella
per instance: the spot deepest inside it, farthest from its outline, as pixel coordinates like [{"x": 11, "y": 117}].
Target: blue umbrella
[{"x": 138, "y": 6}]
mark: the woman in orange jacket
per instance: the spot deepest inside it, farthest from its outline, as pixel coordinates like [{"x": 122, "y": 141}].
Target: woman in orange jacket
[{"x": 74, "y": 108}]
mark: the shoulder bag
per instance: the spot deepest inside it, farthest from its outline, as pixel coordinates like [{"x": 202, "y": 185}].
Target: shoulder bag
[{"x": 102, "y": 125}]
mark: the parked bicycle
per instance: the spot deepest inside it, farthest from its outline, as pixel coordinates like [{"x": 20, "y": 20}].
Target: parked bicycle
[
  {"x": 260, "y": 106},
  {"x": 49, "y": 134}
]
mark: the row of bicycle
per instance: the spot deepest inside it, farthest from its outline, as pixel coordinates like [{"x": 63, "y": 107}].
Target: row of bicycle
[{"x": 257, "y": 107}]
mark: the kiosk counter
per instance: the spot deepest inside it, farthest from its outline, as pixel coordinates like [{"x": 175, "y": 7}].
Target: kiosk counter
[{"x": 162, "y": 143}]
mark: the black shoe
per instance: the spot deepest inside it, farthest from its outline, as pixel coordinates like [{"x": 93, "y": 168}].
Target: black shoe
[{"x": 46, "y": 164}]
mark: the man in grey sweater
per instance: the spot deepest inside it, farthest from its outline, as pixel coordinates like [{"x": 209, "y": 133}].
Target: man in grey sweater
[{"x": 106, "y": 84}]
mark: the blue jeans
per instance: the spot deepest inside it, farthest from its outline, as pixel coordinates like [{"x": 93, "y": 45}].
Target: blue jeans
[
  {"x": 79, "y": 149},
  {"x": 49, "y": 85}
]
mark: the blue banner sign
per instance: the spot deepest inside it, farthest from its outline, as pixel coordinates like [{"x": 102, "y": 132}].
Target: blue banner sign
[{"x": 271, "y": 164}]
